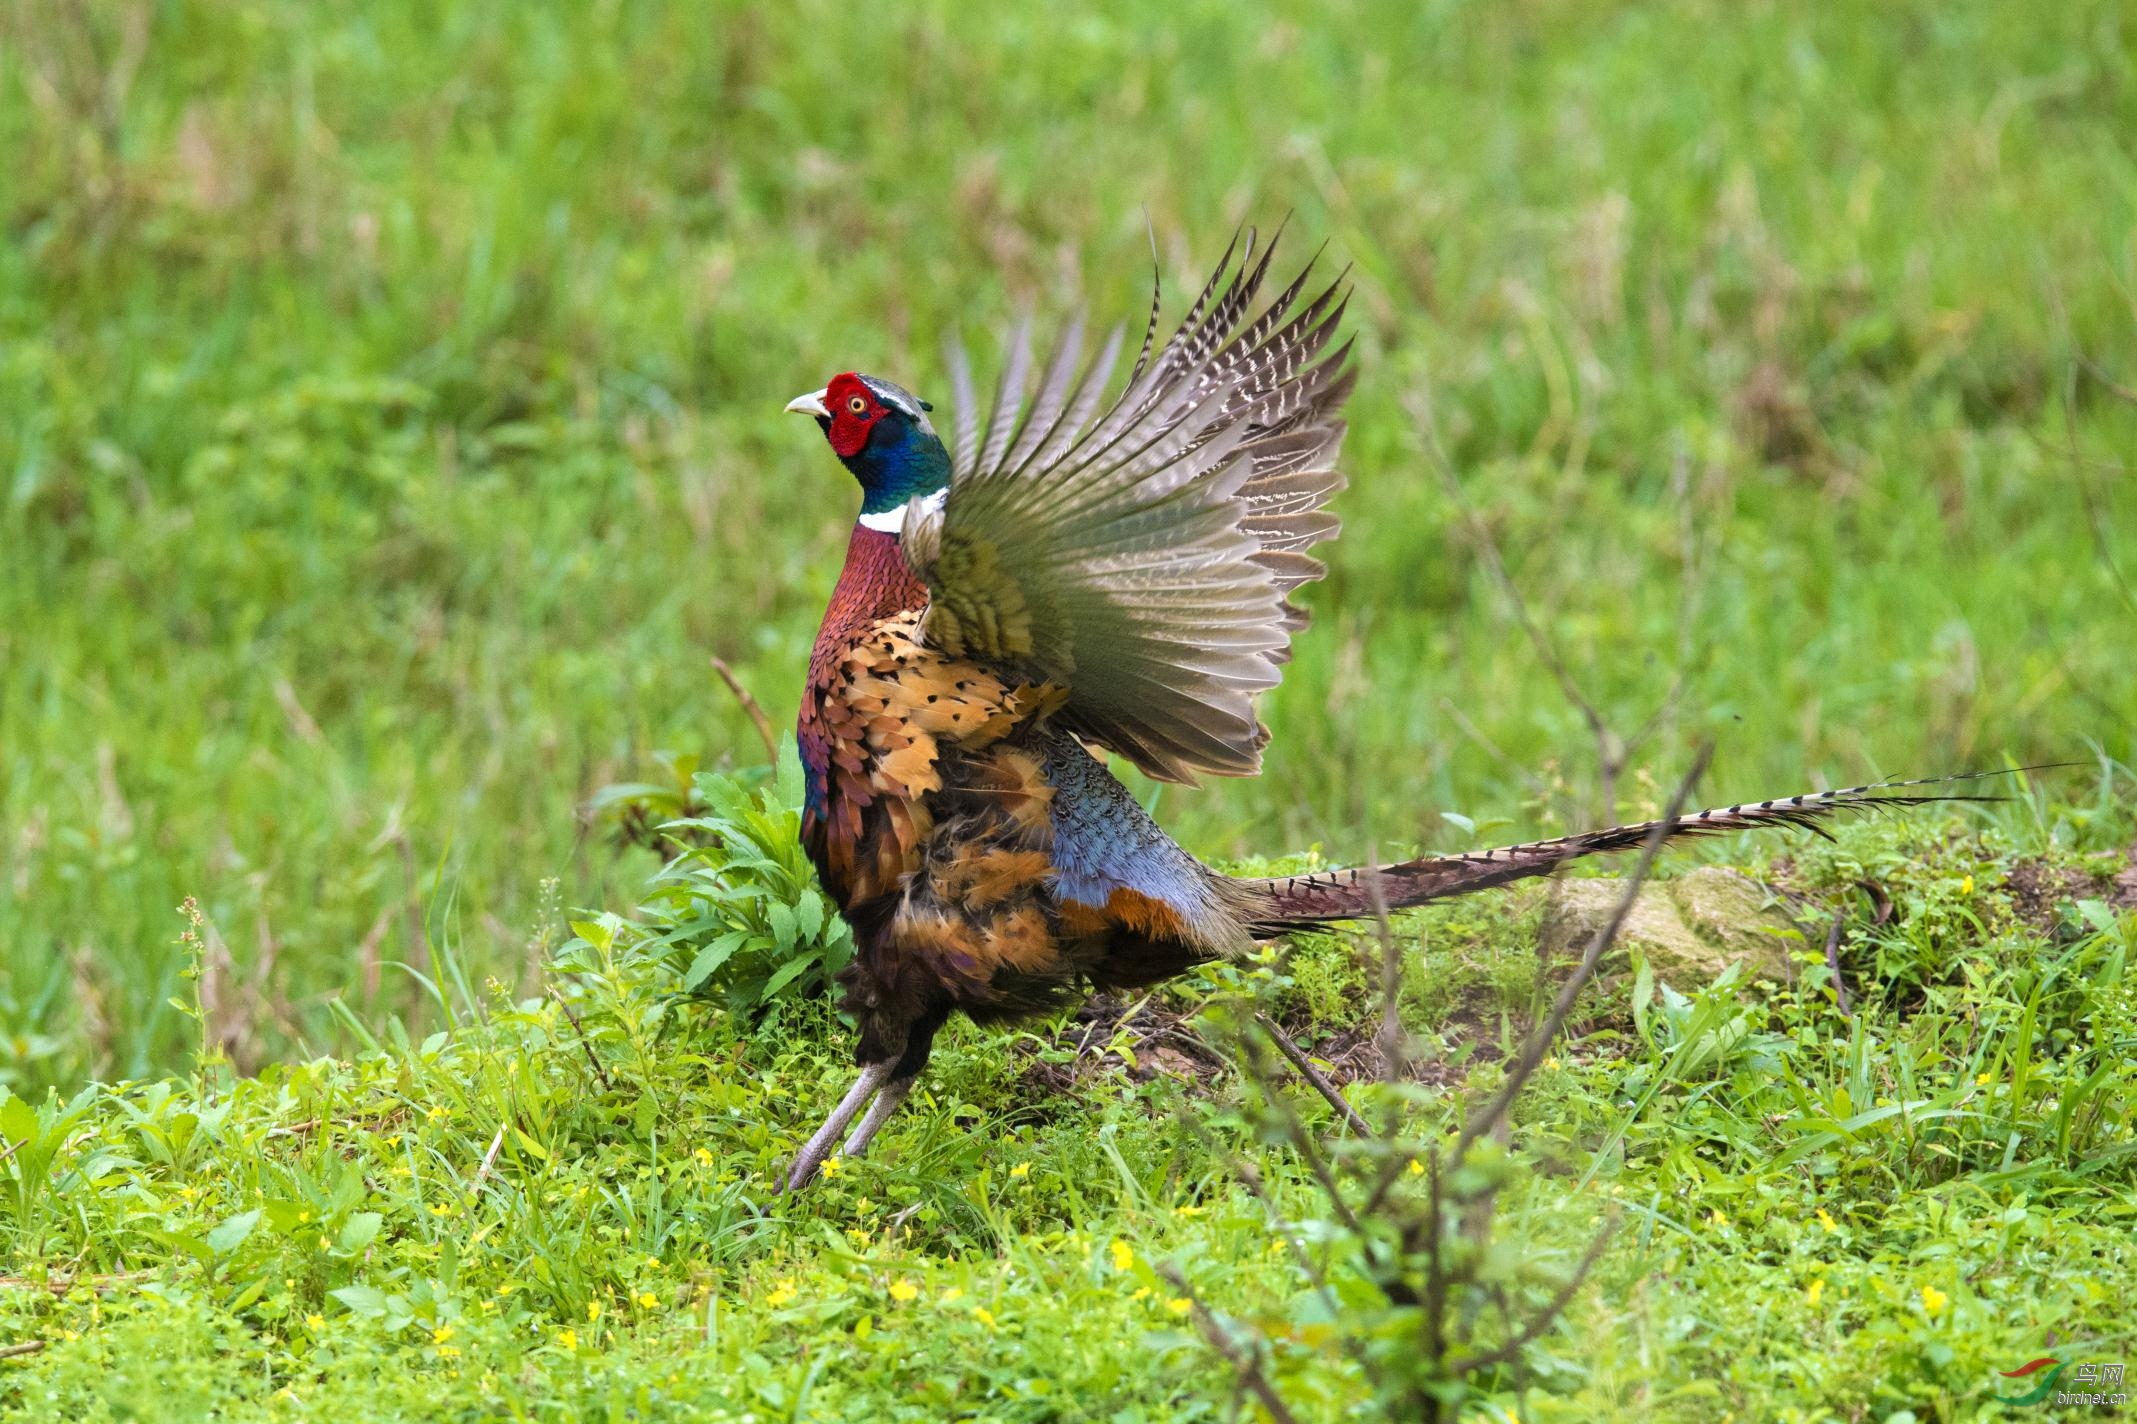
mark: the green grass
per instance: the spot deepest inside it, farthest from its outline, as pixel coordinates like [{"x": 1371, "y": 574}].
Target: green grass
[
  {"x": 1821, "y": 1218},
  {"x": 390, "y": 433}
]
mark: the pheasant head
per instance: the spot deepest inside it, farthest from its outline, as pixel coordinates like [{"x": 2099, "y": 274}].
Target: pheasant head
[{"x": 881, "y": 433}]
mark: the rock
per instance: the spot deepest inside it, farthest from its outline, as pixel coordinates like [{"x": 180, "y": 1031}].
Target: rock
[{"x": 1690, "y": 928}]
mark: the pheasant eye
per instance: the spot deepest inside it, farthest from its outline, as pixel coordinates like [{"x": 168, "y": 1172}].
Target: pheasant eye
[{"x": 858, "y": 405}]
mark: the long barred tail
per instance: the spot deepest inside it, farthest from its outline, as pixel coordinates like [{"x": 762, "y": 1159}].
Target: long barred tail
[{"x": 1279, "y": 903}]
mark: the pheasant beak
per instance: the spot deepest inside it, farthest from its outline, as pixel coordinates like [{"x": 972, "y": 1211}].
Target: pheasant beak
[{"x": 810, "y": 404}]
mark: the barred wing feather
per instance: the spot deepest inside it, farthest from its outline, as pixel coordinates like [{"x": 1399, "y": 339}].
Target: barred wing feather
[{"x": 1141, "y": 553}]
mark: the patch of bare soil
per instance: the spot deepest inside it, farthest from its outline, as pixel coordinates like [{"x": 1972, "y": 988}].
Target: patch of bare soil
[
  {"x": 1160, "y": 1040},
  {"x": 1157, "y": 1037},
  {"x": 2038, "y": 890},
  {"x": 1350, "y": 1053},
  {"x": 2124, "y": 894}
]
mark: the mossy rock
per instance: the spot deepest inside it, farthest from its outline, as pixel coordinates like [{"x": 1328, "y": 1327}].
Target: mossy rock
[{"x": 1690, "y": 928}]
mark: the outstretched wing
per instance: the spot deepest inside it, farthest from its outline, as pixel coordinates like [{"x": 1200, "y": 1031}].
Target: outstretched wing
[{"x": 1142, "y": 554}]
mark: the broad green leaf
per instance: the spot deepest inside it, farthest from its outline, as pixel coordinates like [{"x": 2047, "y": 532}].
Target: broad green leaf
[
  {"x": 362, "y": 1300},
  {"x": 231, "y": 1234},
  {"x": 359, "y": 1231},
  {"x": 18, "y": 1120},
  {"x": 712, "y": 956},
  {"x": 786, "y": 973}
]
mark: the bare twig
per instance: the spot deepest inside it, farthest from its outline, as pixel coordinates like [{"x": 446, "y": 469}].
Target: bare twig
[
  {"x": 27, "y": 1347},
  {"x": 489, "y": 1158},
  {"x": 1394, "y": 1061},
  {"x": 1536, "y": 784},
  {"x": 1241, "y": 1359},
  {"x": 1611, "y": 749},
  {"x": 1613, "y": 752},
  {"x": 1832, "y": 963},
  {"x": 1540, "y": 1039},
  {"x": 1542, "y": 1319},
  {"x": 1312, "y": 1075},
  {"x": 584, "y": 1042},
  {"x": 751, "y": 706}
]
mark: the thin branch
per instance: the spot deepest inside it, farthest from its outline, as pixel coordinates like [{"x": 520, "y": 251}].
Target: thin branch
[
  {"x": 27, "y": 1347},
  {"x": 584, "y": 1042},
  {"x": 1610, "y": 748},
  {"x": 489, "y": 1158},
  {"x": 1469, "y": 729},
  {"x": 1542, "y": 1319},
  {"x": 1313, "y": 1075},
  {"x": 1832, "y": 963},
  {"x": 1241, "y": 1359},
  {"x": 751, "y": 706},
  {"x": 1539, "y": 1041},
  {"x": 1394, "y": 1061}
]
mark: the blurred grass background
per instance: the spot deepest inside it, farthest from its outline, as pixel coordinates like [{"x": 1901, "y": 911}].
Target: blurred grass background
[{"x": 390, "y": 418}]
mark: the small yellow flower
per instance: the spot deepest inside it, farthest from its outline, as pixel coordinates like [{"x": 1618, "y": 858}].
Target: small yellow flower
[
  {"x": 507, "y": 1287},
  {"x": 1022, "y": 1169},
  {"x": 983, "y": 1315},
  {"x": 1179, "y": 1305},
  {"x": 1551, "y": 1063},
  {"x": 953, "y": 1293},
  {"x": 569, "y": 1339},
  {"x": 652, "y": 1263},
  {"x": 903, "y": 1290},
  {"x": 1123, "y": 1255},
  {"x": 1982, "y": 1080},
  {"x": 440, "y": 1209},
  {"x": 315, "y": 1322},
  {"x": 704, "y": 1157},
  {"x": 1141, "y": 1292},
  {"x": 442, "y": 1334},
  {"x": 325, "y": 1245},
  {"x": 1813, "y": 1292},
  {"x": 647, "y": 1300},
  {"x": 1966, "y": 886},
  {"x": 1934, "y": 1301},
  {"x": 438, "y": 1113},
  {"x": 1417, "y": 1168},
  {"x": 1825, "y": 1219},
  {"x": 1721, "y": 1222},
  {"x": 781, "y": 1294},
  {"x": 1187, "y": 1211},
  {"x": 593, "y": 1311},
  {"x": 831, "y": 1167}
]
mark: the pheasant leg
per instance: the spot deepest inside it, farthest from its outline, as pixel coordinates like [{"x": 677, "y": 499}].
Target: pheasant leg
[
  {"x": 888, "y": 1100},
  {"x": 817, "y": 1148}
]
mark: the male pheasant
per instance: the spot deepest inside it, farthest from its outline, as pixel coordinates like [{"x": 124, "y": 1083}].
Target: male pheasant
[{"x": 1084, "y": 575}]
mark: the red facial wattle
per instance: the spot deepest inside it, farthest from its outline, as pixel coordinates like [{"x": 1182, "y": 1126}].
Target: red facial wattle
[{"x": 854, "y": 411}]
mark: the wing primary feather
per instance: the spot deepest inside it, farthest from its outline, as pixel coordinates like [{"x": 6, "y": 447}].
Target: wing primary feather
[
  {"x": 1053, "y": 398},
  {"x": 965, "y": 460},
  {"x": 1008, "y": 399},
  {"x": 1141, "y": 552}
]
